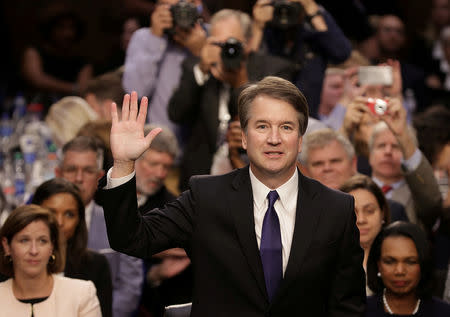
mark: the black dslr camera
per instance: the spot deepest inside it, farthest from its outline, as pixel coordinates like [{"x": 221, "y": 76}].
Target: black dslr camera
[
  {"x": 184, "y": 15},
  {"x": 286, "y": 14},
  {"x": 232, "y": 53}
]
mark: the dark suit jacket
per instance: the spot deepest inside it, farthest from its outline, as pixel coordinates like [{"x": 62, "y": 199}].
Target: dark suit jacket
[
  {"x": 175, "y": 290},
  {"x": 198, "y": 107},
  {"x": 214, "y": 222},
  {"x": 94, "y": 267}
]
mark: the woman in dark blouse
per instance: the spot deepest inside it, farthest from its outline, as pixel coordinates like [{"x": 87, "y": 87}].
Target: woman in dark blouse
[{"x": 399, "y": 272}]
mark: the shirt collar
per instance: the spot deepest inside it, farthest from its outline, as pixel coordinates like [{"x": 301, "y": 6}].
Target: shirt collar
[
  {"x": 393, "y": 185},
  {"x": 88, "y": 213},
  {"x": 286, "y": 191}
]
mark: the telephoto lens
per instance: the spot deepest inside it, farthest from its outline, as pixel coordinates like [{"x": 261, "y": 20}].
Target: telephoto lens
[
  {"x": 232, "y": 54},
  {"x": 286, "y": 14},
  {"x": 184, "y": 14}
]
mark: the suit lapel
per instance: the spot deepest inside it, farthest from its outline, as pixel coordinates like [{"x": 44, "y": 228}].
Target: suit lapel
[
  {"x": 306, "y": 221},
  {"x": 241, "y": 208},
  {"x": 210, "y": 107}
]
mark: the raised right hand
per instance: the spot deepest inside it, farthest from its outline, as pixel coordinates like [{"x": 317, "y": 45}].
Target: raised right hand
[{"x": 128, "y": 141}]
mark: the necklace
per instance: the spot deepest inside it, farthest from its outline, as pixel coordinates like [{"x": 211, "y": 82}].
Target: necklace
[{"x": 386, "y": 305}]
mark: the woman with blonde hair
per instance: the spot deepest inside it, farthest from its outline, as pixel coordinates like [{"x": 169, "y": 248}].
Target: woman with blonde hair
[{"x": 67, "y": 116}]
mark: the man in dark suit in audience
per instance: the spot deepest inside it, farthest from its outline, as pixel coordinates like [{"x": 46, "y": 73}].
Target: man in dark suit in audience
[
  {"x": 168, "y": 275},
  {"x": 264, "y": 240}
]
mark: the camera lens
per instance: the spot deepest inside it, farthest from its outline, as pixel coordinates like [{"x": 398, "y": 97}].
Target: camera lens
[
  {"x": 232, "y": 54},
  {"x": 380, "y": 106}
]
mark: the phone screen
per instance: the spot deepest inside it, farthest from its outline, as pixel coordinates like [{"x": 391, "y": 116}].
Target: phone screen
[{"x": 375, "y": 75}]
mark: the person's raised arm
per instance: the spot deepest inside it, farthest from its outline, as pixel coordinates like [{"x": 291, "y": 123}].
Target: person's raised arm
[{"x": 128, "y": 141}]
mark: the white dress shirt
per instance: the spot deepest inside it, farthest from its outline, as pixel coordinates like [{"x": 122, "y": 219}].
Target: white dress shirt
[{"x": 285, "y": 207}]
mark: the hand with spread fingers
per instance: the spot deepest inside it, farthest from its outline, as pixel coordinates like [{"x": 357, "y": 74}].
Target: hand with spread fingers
[{"x": 128, "y": 141}]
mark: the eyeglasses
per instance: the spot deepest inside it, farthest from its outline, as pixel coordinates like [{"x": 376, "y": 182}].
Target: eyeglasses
[{"x": 88, "y": 171}]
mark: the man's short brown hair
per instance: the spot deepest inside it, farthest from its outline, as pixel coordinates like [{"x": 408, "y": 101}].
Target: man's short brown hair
[{"x": 277, "y": 88}]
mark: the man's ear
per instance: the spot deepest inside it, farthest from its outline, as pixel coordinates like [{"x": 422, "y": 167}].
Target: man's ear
[
  {"x": 58, "y": 171},
  {"x": 244, "y": 139},
  {"x": 354, "y": 164}
]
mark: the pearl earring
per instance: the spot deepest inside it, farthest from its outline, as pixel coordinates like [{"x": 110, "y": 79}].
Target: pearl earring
[{"x": 379, "y": 274}]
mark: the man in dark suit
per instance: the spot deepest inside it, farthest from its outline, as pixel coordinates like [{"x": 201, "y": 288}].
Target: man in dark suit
[
  {"x": 206, "y": 97},
  {"x": 263, "y": 240}
]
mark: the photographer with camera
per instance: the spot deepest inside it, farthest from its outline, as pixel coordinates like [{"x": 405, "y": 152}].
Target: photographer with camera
[
  {"x": 206, "y": 98},
  {"x": 154, "y": 55},
  {"x": 306, "y": 34}
]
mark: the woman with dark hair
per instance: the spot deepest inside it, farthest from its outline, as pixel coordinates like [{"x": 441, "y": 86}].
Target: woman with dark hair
[
  {"x": 63, "y": 199},
  {"x": 371, "y": 207},
  {"x": 399, "y": 272},
  {"x": 30, "y": 254}
]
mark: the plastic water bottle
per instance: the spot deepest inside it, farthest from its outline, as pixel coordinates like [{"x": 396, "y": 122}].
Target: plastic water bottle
[
  {"x": 7, "y": 183},
  {"x": 19, "y": 112},
  {"x": 29, "y": 145},
  {"x": 6, "y": 133},
  {"x": 19, "y": 179},
  {"x": 51, "y": 162},
  {"x": 410, "y": 104},
  {"x": 20, "y": 107}
]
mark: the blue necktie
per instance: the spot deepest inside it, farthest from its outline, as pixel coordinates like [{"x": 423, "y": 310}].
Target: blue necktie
[{"x": 270, "y": 247}]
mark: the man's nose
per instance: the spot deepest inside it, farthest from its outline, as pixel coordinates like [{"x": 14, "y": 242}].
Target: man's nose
[
  {"x": 388, "y": 149},
  {"x": 161, "y": 172},
  {"x": 327, "y": 166},
  {"x": 274, "y": 136},
  {"x": 79, "y": 175}
]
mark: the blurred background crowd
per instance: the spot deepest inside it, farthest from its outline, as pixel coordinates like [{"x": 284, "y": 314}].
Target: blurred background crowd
[{"x": 376, "y": 75}]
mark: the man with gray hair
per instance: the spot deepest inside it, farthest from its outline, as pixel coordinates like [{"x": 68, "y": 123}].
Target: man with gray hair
[
  {"x": 206, "y": 98},
  {"x": 81, "y": 164},
  {"x": 328, "y": 157},
  {"x": 400, "y": 169},
  {"x": 168, "y": 274},
  {"x": 154, "y": 165}
]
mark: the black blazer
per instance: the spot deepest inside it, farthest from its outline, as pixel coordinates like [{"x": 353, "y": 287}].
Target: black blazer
[
  {"x": 94, "y": 267},
  {"x": 214, "y": 222}
]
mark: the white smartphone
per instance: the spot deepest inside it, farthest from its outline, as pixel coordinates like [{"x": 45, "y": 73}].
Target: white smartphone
[{"x": 375, "y": 75}]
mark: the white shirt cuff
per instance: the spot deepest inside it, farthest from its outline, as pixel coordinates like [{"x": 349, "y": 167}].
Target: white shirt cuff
[
  {"x": 413, "y": 162},
  {"x": 116, "y": 182},
  {"x": 200, "y": 77}
]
